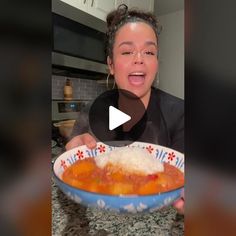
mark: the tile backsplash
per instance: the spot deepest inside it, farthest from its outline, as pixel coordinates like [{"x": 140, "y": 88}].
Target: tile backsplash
[{"x": 82, "y": 88}]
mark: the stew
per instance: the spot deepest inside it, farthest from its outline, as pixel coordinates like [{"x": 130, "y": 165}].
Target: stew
[{"x": 84, "y": 174}]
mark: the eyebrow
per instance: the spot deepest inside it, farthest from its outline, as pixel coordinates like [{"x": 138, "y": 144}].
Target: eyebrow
[
  {"x": 151, "y": 43},
  {"x": 125, "y": 43},
  {"x": 131, "y": 43}
]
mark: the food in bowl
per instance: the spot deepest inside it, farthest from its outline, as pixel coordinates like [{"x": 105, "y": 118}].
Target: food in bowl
[
  {"x": 124, "y": 171},
  {"x": 119, "y": 203}
]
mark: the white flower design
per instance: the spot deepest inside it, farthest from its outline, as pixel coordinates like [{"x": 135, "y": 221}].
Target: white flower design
[
  {"x": 168, "y": 200},
  {"x": 130, "y": 208},
  {"x": 74, "y": 197},
  {"x": 101, "y": 203},
  {"x": 141, "y": 207},
  {"x": 77, "y": 199}
]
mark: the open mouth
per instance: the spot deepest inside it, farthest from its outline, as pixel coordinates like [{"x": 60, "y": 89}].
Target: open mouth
[{"x": 136, "y": 78}]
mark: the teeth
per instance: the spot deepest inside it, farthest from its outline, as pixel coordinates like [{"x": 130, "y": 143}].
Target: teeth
[{"x": 137, "y": 73}]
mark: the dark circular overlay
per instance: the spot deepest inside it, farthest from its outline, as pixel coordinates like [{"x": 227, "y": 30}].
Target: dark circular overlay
[{"x": 126, "y": 102}]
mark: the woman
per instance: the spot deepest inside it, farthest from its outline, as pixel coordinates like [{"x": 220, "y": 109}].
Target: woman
[{"x": 132, "y": 58}]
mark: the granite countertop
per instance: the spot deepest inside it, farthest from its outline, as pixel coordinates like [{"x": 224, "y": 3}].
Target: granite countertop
[{"x": 69, "y": 218}]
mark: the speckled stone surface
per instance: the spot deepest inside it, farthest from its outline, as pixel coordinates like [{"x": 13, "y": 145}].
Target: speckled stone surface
[{"x": 69, "y": 218}]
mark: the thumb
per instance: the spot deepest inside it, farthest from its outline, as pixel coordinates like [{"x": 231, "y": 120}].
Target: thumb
[{"x": 89, "y": 140}]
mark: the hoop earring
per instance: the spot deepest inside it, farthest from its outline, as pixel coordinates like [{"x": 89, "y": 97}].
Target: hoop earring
[{"x": 107, "y": 82}]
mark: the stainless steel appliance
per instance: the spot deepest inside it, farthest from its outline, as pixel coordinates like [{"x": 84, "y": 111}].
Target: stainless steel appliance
[
  {"x": 65, "y": 111},
  {"x": 78, "y": 40}
]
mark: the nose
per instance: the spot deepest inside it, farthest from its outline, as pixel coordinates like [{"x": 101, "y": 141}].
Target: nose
[{"x": 138, "y": 58}]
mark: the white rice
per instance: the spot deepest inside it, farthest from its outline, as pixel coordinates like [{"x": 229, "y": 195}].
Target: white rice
[{"x": 131, "y": 160}]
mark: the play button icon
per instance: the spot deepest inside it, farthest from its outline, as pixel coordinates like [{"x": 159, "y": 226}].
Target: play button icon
[{"x": 117, "y": 118}]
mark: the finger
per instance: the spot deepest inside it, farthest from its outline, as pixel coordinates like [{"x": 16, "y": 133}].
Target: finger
[
  {"x": 179, "y": 205},
  {"x": 74, "y": 142},
  {"x": 89, "y": 140}
]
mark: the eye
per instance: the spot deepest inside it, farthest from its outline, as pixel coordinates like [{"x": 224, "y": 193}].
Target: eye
[
  {"x": 126, "y": 53},
  {"x": 149, "y": 53}
]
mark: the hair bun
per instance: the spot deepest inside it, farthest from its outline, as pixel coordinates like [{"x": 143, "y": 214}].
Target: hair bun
[
  {"x": 123, "y": 9},
  {"x": 117, "y": 15}
]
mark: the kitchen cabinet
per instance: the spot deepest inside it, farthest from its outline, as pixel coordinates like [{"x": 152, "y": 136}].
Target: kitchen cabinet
[
  {"x": 80, "y": 4},
  {"x": 147, "y": 5},
  {"x": 100, "y": 8},
  {"x": 97, "y": 8}
]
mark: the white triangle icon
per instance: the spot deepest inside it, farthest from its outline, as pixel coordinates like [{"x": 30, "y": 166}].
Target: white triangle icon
[{"x": 117, "y": 118}]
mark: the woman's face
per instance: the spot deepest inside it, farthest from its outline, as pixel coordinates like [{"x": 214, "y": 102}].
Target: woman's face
[{"x": 134, "y": 63}]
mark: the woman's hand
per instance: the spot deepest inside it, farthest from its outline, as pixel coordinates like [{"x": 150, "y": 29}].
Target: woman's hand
[
  {"x": 179, "y": 204},
  {"x": 83, "y": 139}
]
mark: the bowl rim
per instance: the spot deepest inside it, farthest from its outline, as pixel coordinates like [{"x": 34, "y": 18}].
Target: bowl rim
[{"x": 113, "y": 195}]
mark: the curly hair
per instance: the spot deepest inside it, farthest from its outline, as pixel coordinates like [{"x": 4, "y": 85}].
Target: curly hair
[{"x": 117, "y": 18}]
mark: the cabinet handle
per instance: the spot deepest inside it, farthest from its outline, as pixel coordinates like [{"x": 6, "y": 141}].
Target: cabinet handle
[
  {"x": 92, "y": 3},
  {"x": 84, "y": 1}
]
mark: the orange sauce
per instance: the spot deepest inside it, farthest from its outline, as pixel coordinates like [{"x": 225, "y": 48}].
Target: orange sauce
[{"x": 86, "y": 175}]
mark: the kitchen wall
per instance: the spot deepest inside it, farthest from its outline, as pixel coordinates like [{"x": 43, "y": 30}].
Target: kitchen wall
[
  {"x": 82, "y": 88},
  {"x": 171, "y": 60}
]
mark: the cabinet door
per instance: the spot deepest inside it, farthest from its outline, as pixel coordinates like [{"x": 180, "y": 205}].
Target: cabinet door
[
  {"x": 80, "y": 4},
  {"x": 147, "y": 5},
  {"x": 100, "y": 8}
]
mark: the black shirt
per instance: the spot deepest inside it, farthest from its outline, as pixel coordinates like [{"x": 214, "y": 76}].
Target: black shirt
[{"x": 164, "y": 121}]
